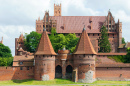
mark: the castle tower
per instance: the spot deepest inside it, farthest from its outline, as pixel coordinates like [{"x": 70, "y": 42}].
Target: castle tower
[
  {"x": 84, "y": 59},
  {"x": 119, "y": 32},
  {"x": 57, "y": 10},
  {"x": 19, "y": 42},
  {"x": 44, "y": 59}
]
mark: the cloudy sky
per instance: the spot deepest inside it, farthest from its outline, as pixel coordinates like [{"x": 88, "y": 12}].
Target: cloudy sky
[{"x": 20, "y": 15}]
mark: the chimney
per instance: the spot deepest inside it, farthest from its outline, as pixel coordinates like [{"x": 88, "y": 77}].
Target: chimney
[{"x": 91, "y": 23}]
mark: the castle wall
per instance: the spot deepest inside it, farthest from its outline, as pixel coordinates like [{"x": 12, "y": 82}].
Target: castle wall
[
  {"x": 113, "y": 73},
  {"x": 12, "y": 73}
]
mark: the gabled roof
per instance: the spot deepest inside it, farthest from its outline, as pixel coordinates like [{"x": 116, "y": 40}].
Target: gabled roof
[
  {"x": 127, "y": 44},
  {"x": 44, "y": 47},
  {"x": 84, "y": 45},
  {"x": 73, "y": 24}
]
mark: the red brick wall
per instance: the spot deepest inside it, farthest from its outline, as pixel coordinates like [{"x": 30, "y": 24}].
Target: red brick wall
[
  {"x": 12, "y": 73},
  {"x": 113, "y": 73}
]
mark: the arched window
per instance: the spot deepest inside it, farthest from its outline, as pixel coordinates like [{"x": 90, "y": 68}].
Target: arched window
[
  {"x": 58, "y": 72},
  {"x": 69, "y": 69}
]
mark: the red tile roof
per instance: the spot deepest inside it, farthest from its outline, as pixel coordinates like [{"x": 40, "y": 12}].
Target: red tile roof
[
  {"x": 23, "y": 58},
  {"x": 73, "y": 24},
  {"x": 44, "y": 47},
  {"x": 20, "y": 49},
  {"x": 84, "y": 45},
  {"x": 111, "y": 54}
]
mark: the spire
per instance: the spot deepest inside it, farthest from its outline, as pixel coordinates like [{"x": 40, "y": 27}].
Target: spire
[
  {"x": 21, "y": 38},
  {"x": 44, "y": 47},
  {"x": 84, "y": 45}
]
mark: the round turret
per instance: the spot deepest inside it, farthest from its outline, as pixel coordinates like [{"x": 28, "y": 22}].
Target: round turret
[{"x": 63, "y": 54}]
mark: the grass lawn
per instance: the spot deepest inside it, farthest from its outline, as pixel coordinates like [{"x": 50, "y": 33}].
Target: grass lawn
[{"x": 58, "y": 81}]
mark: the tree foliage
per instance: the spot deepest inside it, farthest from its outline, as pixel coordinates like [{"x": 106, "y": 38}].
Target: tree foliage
[
  {"x": 6, "y": 58},
  {"x": 5, "y": 51},
  {"x": 127, "y": 57},
  {"x": 32, "y": 41},
  {"x": 104, "y": 43},
  {"x": 69, "y": 41},
  {"x": 4, "y": 61},
  {"x": 58, "y": 41},
  {"x": 123, "y": 40}
]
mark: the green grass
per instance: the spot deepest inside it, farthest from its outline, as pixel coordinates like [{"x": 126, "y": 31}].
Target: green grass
[{"x": 59, "y": 82}]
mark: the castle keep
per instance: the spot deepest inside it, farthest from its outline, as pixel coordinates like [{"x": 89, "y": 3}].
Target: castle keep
[{"x": 84, "y": 65}]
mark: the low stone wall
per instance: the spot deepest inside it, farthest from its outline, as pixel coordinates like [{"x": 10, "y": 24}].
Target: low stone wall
[{"x": 19, "y": 73}]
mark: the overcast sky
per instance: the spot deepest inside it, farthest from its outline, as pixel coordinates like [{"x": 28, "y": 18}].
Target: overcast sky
[{"x": 20, "y": 15}]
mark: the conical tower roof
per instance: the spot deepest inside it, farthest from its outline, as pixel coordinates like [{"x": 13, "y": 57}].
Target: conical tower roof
[
  {"x": 84, "y": 45},
  {"x": 44, "y": 47}
]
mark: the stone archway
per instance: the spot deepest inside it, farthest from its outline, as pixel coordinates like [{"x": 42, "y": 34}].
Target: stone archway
[
  {"x": 69, "y": 71},
  {"x": 58, "y": 72}
]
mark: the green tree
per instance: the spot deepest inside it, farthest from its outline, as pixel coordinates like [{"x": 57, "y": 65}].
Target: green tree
[
  {"x": 69, "y": 41},
  {"x": 5, "y": 51},
  {"x": 32, "y": 41},
  {"x": 104, "y": 43},
  {"x": 127, "y": 57},
  {"x": 6, "y": 61},
  {"x": 123, "y": 40}
]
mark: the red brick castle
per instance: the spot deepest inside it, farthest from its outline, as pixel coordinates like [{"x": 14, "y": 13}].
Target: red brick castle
[{"x": 85, "y": 64}]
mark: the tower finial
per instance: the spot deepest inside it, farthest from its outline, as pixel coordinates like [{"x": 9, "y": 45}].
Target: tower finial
[
  {"x": 84, "y": 28},
  {"x": 44, "y": 29}
]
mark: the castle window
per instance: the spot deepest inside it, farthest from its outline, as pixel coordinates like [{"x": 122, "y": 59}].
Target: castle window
[
  {"x": 79, "y": 34},
  {"x": 98, "y": 34},
  {"x": 107, "y": 67},
  {"x": 36, "y": 55},
  {"x": 21, "y": 68},
  {"x": 92, "y": 55},
  {"x": 113, "y": 34},
  {"x": 84, "y": 55},
  {"x": 88, "y": 34},
  {"x": 21, "y": 63},
  {"x": 88, "y": 56},
  {"x": 37, "y": 25},
  {"x": 27, "y": 68},
  {"x": 120, "y": 67},
  {"x": 93, "y": 34}
]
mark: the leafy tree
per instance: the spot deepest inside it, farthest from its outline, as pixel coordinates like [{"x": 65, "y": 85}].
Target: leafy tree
[
  {"x": 5, "y": 51},
  {"x": 104, "y": 43},
  {"x": 32, "y": 41},
  {"x": 4, "y": 61},
  {"x": 123, "y": 40},
  {"x": 58, "y": 41}
]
